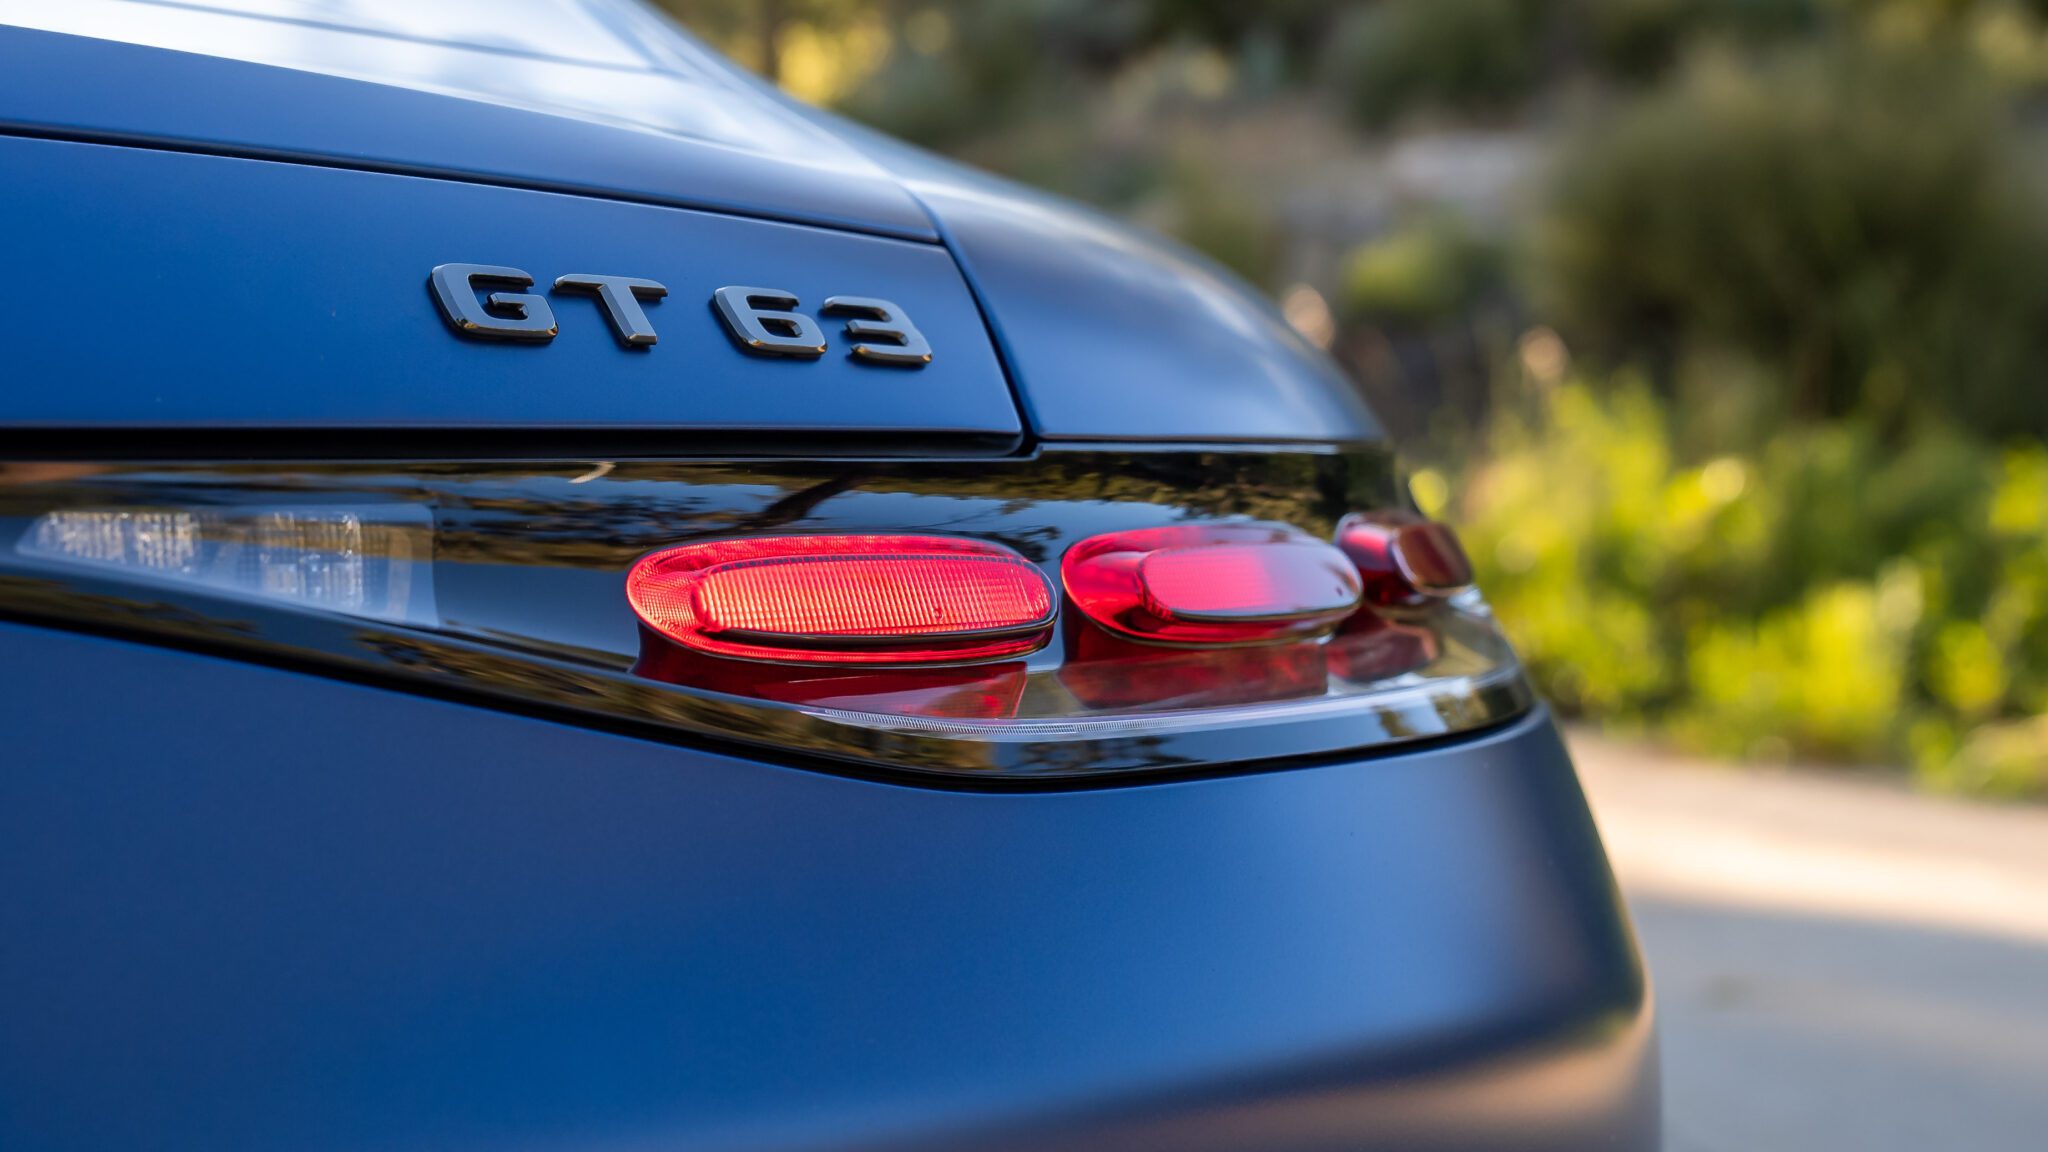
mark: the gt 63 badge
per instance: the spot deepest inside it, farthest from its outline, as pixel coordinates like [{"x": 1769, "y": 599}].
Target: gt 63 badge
[{"x": 490, "y": 302}]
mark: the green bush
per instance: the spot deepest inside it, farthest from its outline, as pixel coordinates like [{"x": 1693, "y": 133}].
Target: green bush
[
  {"x": 1822, "y": 595},
  {"x": 1825, "y": 676},
  {"x": 1462, "y": 55},
  {"x": 1640, "y": 39},
  {"x": 1858, "y": 219},
  {"x": 1428, "y": 269},
  {"x": 989, "y": 75}
]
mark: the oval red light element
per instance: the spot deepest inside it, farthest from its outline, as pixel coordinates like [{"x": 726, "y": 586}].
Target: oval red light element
[
  {"x": 1404, "y": 559},
  {"x": 1213, "y": 584},
  {"x": 845, "y": 599}
]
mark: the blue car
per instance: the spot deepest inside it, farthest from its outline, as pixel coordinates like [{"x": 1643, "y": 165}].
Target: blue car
[{"x": 554, "y": 599}]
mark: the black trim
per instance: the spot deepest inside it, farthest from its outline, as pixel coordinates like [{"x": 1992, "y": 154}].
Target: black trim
[{"x": 1535, "y": 715}]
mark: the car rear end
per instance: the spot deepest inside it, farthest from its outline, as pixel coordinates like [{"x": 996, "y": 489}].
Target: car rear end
[{"x": 939, "y": 672}]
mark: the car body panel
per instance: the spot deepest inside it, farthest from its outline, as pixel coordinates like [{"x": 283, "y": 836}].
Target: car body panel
[
  {"x": 245, "y": 293},
  {"x": 276, "y": 882},
  {"x": 401, "y": 922},
  {"x": 325, "y": 95},
  {"x": 1111, "y": 336},
  {"x": 1108, "y": 334}
]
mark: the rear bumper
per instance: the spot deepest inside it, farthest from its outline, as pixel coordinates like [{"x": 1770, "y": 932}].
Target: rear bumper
[{"x": 250, "y": 908}]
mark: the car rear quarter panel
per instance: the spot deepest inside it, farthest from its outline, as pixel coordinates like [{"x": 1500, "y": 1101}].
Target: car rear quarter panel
[{"x": 254, "y": 909}]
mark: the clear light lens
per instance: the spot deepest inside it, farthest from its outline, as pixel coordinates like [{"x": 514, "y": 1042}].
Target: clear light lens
[{"x": 359, "y": 562}]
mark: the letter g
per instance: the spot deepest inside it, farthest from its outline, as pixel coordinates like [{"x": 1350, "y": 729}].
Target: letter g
[{"x": 518, "y": 316}]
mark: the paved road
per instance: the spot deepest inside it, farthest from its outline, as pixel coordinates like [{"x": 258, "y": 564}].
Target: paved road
[{"x": 1841, "y": 966}]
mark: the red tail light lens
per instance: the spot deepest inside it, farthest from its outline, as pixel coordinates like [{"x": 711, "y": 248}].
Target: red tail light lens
[
  {"x": 1107, "y": 672},
  {"x": 1370, "y": 649},
  {"x": 979, "y": 691},
  {"x": 1222, "y": 584},
  {"x": 845, "y": 599},
  {"x": 1404, "y": 559}
]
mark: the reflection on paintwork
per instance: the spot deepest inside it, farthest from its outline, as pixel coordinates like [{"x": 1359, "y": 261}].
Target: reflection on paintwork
[
  {"x": 565, "y": 66},
  {"x": 560, "y": 29}
]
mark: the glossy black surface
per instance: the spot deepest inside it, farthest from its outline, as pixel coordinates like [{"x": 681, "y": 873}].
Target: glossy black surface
[
  {"x": 765, "y": 322},
  {"x": 621, "y": 297},
  {"x": 528, "y": 570},
  {"x": 880, "y": 330},
  {"x": 355, "y": 919},
  {"x": 481, "y": 300}
]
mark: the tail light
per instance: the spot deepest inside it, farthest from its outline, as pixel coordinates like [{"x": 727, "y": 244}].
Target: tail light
[
  {"x": 1404, "y": 559},
  {"x": 1220, "y": 584},
  {"x": 1072, "y": 613},
  {"x": 845, "y": 599},
  {"x": 1108, "y": 673}
]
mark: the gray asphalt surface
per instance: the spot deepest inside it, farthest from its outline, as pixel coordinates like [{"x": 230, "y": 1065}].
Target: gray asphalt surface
[{"x": 1840, "y": 964}]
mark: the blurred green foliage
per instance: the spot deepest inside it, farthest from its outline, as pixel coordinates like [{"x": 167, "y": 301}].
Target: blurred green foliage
[
  {"x": 1467, "y": 56},
  {"x": 1637, "y": 40},
  {"x": 1824, "y": 593},
  {"x": 1763, "y": 471},
  {"x": 1863, "y": 222},
  {"x": 1429, "y": 268}
]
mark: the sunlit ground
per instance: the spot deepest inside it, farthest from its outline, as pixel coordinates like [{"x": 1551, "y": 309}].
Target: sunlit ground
[{"x": 1840, "y": 964}]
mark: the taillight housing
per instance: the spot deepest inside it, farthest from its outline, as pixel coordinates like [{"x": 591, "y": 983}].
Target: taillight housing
[{"x": 1067, "y": 614}]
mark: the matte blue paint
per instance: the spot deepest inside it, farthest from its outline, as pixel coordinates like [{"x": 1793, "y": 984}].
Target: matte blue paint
[
  {"x": 243, "y": 293},
  {"x": 1113, "y": 336},
  {"x": 348, "y": 918},
  {"x": 1108, "y": 334}
]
